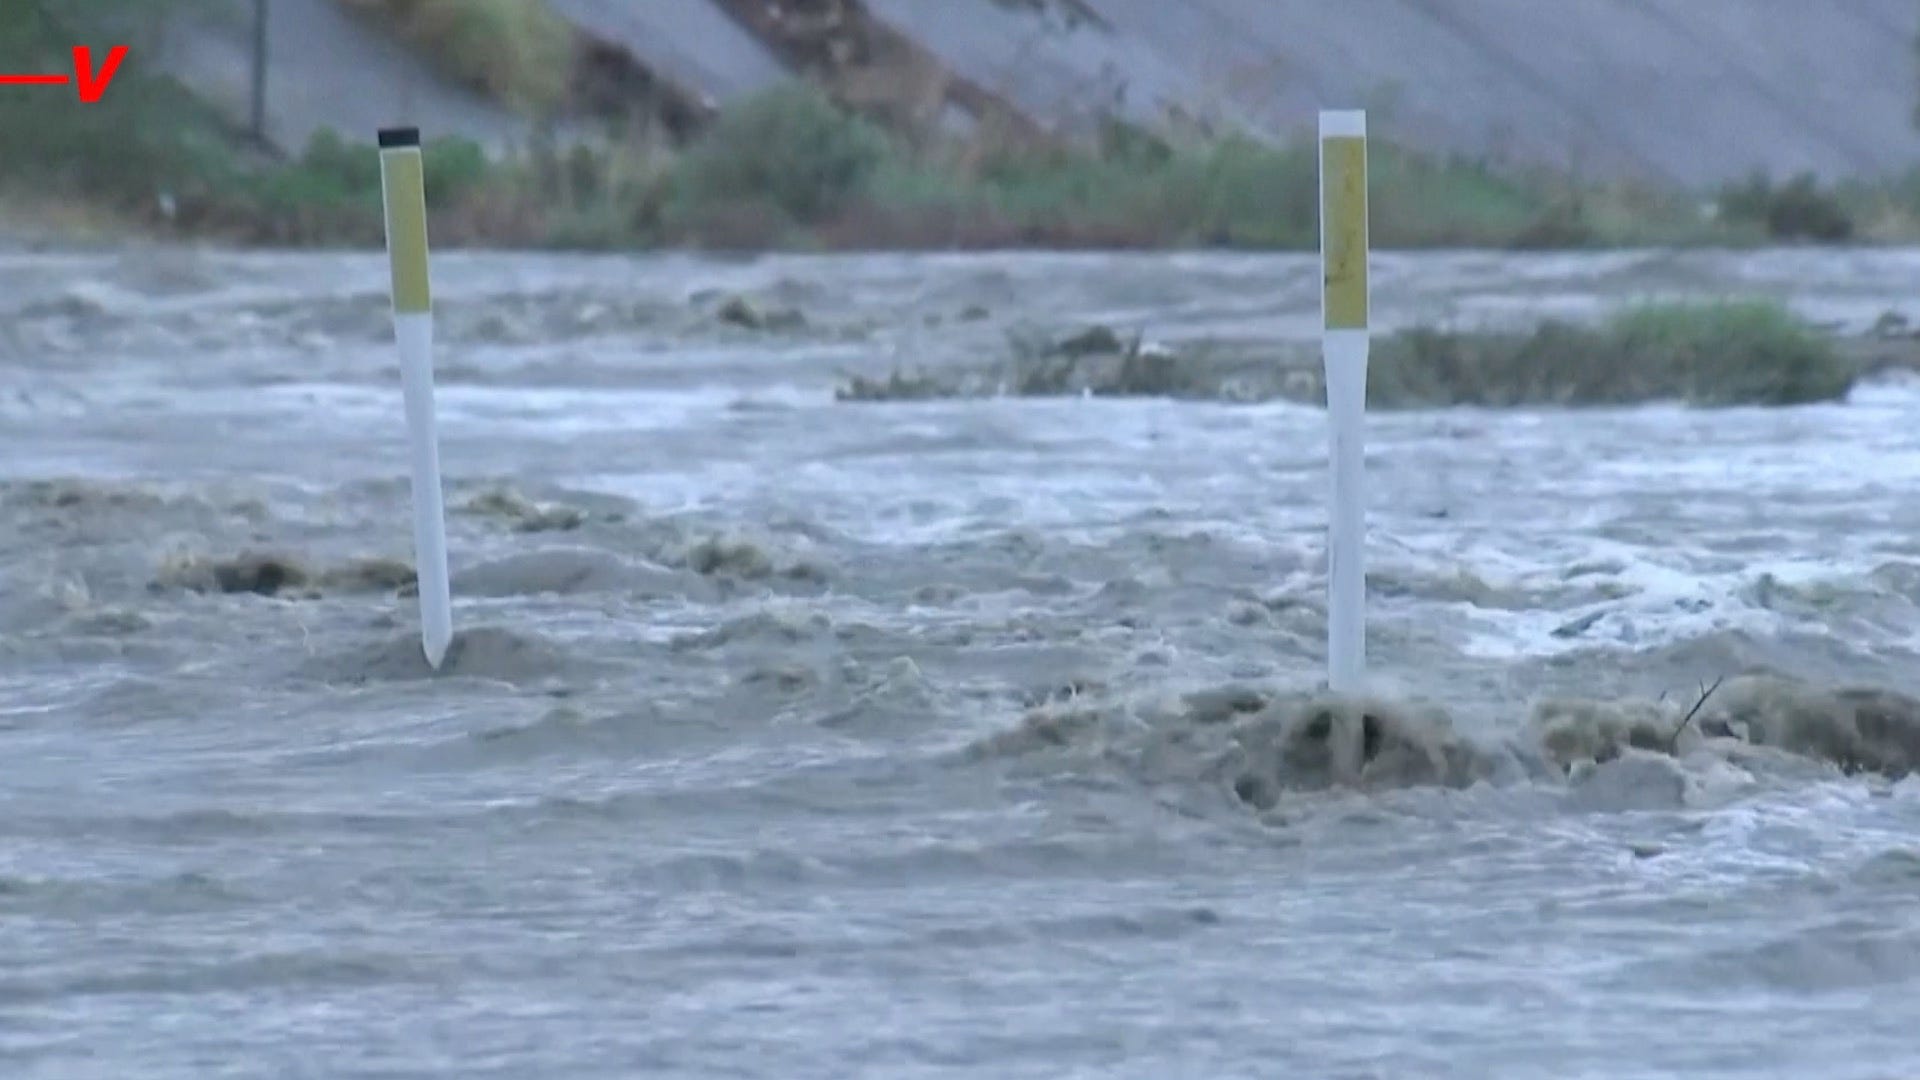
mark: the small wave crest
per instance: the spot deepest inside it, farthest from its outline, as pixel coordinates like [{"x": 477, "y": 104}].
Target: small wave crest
[
  {"x": 572, "y": 572},
  {"x": 484, "y": 652}
]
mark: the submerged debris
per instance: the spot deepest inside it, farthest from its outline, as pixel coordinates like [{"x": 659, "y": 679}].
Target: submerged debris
[
  {"x": 1095, "y": 362},
  {"x": 265, "y": 574},
  {"x": 1893, "y": 326},
  {"x": 897, "y": 386},
  {"x": 1857, "y": 729},
  {"x": 523, "y": 513},
  {"x": 1259, "y": 747},
  {"x": 1574, "y": 731},
  {"x": 730, "y": 556},
  {"x": 739, "y": 311},
  {"x": 1331, "y": 742},
  {"x": 1093, "y": 341},
  {"x": 1706, "y": 692}
]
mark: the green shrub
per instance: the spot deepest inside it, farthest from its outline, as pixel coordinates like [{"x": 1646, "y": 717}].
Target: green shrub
[
  {"x": 453, "y": 168},
  {"x": 334, "y": 166},
  {"x": 1732, "y": 353},
  {"x": 146, "y": 135},
  {"x": 1241, "y": 193},
  {"x": 332, "y": 169},
  {"x": 1711, "y": 354},
  {"x": 791, "y": 149},
  {"x": 1795, "y": 210},
  {"x": 1419, "y": 200}
]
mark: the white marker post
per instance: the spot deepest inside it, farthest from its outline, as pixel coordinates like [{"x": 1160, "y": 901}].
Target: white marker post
[
  {"x": 403, "y": 186},
  {"x": 1344, "y": 343}
]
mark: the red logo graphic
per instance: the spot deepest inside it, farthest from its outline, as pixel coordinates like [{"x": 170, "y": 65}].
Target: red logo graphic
[{"x": 90, "y": 82}]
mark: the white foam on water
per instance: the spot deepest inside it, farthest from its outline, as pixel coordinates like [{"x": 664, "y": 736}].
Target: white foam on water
[
  {"x": 468, "y": 410},
  {"x": 1808, "y": 831},
  {"x": 558, "y": 413}
]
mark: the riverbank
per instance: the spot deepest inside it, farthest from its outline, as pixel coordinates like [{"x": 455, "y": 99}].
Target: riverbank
[{"x": 791, "y": 170}]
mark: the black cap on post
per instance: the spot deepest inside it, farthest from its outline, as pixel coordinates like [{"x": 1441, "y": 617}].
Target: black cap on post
[{"x": 399, "y": 136}]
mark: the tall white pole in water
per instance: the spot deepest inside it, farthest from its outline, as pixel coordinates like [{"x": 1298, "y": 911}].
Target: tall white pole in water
[
  {"x": 403, "y": 186},
  {"x": 1344, "y": 343}
]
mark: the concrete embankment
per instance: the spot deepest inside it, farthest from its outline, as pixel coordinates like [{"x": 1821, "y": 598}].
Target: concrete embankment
[
  {"x": 694, "y": 45},
  {"x": 326, "y": 69},
  {"x": 1694, "y": 91},
  {"x": 1688, "y": 91}
]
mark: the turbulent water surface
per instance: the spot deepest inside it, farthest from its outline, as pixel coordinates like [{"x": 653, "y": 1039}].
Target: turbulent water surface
[{"x": 794, "y": 738}]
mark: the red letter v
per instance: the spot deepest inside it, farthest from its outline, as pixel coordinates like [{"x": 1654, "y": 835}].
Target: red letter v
[{"x": 94, "y": 83}]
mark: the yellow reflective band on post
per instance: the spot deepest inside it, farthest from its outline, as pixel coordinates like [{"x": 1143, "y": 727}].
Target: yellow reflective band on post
[
  {"x": 403, "y": 181},
  {"x": 1343, "y": 230}
]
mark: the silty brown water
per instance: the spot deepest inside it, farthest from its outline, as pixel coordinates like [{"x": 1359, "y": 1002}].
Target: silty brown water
[{"x": 794, "y": 738}]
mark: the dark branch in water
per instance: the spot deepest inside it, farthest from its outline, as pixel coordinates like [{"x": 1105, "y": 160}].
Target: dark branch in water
[{"x": 1673, "y": 744}]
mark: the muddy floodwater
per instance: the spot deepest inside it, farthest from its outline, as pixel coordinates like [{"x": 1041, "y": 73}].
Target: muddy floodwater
[{"x": 787, "y": 737}]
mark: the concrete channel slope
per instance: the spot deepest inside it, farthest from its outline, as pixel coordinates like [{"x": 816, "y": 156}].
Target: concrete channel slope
[
  {"x": 330, "y": 68},
  {"x": 1064, "y": 71},
  {"x": 326, "y": 69},
  {"x": 690, "y": 43},
  {"x": 1695, "y": 91}
]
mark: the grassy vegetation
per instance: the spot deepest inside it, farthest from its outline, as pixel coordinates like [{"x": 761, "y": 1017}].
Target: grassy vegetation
[
  {"x": 144, "y": 136},
  {"x": 1795, "y": 210},
  {"x": 1705, "y": 354},
  {"x": 1712, "y": 354},
  {"x": 789, "y": 168},
  {"x": 149, "y": 152},
  {"x": 780, "y": 160}
]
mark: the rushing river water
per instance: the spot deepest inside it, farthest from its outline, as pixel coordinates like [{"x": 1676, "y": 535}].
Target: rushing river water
[{"x": 790, "y": 738}]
